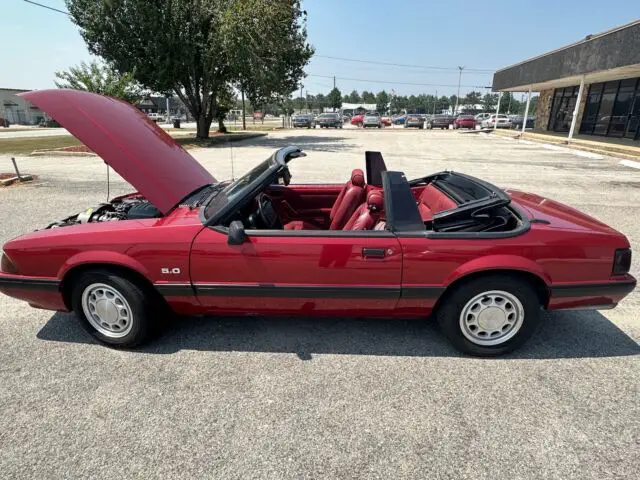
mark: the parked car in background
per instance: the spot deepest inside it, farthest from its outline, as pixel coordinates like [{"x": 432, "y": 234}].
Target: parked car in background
[
  {"x": 399, "y": 119},
  {"x": 357, "y": 120},
  {"x": 303, "y": 121},
  {"x": 481, "y": 117},
  {"x": 329, "y": 120},
  {"x": 465, "y": 121},
  {"x": 516, "y": 122},
  {"x": 4, "y": 122},
  {"x": 414, "y": 120},
  {"x": 346, "y": 118},
  {"x": 156, "y": 117},
  {"x": 371, "y": 119},
  {"x": 386, "y": 121},
  {"x": 503, "y": 121},
  {"x": 440, "y": 121}
]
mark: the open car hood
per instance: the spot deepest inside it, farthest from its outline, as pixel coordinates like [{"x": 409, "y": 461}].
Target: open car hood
[{"x": 128, "y": 141}]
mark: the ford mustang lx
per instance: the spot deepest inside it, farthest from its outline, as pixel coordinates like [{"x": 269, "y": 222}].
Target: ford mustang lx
[{"x": 483, "y": 261}]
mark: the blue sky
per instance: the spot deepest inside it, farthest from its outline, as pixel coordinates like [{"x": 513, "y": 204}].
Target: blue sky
[{"x": 477, "y": 35}]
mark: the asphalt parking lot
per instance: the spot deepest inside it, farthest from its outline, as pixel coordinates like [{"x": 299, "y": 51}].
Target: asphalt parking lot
[{"x": 330, "y": 398}]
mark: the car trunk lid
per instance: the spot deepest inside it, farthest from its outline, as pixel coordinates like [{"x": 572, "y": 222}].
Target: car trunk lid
[{"x": 129, "y": 142}]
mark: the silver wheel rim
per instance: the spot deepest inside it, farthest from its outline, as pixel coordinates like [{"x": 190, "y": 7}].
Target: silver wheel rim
[
  {"x": 491, "y": 318},
  {"x": 107, "y": 310}
]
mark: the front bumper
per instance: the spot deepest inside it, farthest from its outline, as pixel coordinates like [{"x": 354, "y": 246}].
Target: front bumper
[{"x": 39, "y": 292}]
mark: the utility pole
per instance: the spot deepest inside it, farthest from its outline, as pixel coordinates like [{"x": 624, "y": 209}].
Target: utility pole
[
  {"x": 435, "y": 103},
  {"x": 459, "y": 81},
  {"x": 334, "y": 81}
]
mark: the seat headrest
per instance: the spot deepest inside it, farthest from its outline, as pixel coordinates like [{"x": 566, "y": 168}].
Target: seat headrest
[
  {"x": 357, "y": 178},
  {"x": 375, "y": 200}
]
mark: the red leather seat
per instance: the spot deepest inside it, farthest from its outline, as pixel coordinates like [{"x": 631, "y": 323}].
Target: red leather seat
[
  {"x": 351, "y": 195},
  {"x": 367, "y": 215},
  {"x": 433, "y": 201}
]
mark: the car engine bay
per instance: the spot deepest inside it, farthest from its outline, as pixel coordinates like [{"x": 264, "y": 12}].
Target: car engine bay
[{"x": 133, "y": 207}]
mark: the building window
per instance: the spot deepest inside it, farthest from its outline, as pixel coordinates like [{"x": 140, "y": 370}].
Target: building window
[
  {"x": 613, "y": 109},
  {"x": 564, "y": 103}
]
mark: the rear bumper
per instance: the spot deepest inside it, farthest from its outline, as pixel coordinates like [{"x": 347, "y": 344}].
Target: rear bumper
[
  {"x": 39, "y": 292},
  {"x": 591, "y": 295}
]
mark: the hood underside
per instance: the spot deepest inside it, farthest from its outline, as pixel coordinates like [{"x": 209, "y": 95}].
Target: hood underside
[{"x": 128, "y": 141}]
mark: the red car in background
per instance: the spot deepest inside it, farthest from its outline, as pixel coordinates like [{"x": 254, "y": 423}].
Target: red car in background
[
  {"x": 357, "y": 120},
  {"x": 385, "y": 121},
  {"x": 482, "y": 260},
  {"x": 465, "y": 121}
]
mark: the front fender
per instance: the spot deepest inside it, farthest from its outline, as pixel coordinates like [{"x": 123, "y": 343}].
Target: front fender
[
  {"x": 103, "y": 257},
  {"x": 498, "y": 262}
]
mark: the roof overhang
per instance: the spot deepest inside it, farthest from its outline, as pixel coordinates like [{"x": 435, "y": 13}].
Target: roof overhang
[{"x": 611, "y": 55}]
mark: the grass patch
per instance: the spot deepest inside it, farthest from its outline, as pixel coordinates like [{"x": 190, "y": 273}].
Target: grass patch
[
  {"x": 24, "y": 146},
  {"x": 184, "y": 137}
]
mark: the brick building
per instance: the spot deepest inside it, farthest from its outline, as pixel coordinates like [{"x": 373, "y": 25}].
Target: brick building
[{"x": 591, "y": 87}]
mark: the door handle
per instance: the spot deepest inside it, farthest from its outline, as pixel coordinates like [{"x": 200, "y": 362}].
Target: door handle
[{"x": 373, "y": 252}]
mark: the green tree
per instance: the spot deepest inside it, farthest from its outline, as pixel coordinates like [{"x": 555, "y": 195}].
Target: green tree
[
  {"x": 354, "y": 97},
  {"x": 472, "y": 98},
  {"x": 266, "y": 64},
  {"x": 191, "y": 47},
  {"x": 382, "y": 102},
  {"x": 334, "y": 99},
  {"x": 368, "y": 97},
  {"x": 100, "y": 78},
  {"x": 226, "y": 101},
  {"x": 489, "y": 101}
]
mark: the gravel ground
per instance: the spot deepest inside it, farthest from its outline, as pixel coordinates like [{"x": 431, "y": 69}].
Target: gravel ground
[{"x": 334, "y": 398}]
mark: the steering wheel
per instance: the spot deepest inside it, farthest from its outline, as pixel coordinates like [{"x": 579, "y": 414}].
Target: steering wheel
[{"x": 267, "y": 213}]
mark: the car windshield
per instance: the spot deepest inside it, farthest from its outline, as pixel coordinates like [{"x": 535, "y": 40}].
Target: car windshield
[{"x": 220, "y": 198}]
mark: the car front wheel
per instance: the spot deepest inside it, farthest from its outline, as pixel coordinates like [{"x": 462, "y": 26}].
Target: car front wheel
[
  {"x": 490, "y": 315},
  {"x": 113, "y": 309}
]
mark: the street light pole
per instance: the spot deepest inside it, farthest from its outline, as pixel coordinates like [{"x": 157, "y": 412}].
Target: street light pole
[{"x": 459, "y": 81}]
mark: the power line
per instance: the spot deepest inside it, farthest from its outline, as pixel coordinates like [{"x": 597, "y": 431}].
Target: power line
[
  {"x": 46, "y": 6},
  {"x": 424, "y": 67},
  {"x": 393, "y": 82}
]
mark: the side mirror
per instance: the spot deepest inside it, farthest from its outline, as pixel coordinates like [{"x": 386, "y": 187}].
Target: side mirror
[{"x": 237, "y": 236}]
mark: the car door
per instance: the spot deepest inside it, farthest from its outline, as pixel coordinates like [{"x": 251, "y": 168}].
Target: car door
[{"x": 297, "y": 272}]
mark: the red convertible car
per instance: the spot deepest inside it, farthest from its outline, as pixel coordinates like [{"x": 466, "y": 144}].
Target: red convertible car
[{"x": 482, "y": 260}]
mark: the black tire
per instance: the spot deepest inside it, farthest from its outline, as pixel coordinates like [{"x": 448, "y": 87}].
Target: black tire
[
  {"x": 145, "y": 309},
  {"x": 449, "y": 312}
]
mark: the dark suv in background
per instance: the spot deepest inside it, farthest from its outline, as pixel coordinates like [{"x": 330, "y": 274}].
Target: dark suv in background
[
  {"x": 327, "y": 120},
  {"x": 303, "y": 121},
  {"x": 440, "y": 121}
]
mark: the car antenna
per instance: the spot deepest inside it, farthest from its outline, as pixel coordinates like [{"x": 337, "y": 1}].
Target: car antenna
[
  {"x": 231, "y": 151},
  {"x": 108, "y": 184}
]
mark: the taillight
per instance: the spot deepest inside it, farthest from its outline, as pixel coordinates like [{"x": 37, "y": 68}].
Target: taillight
[
  {"x": 7, "y": 266},
  {"x": 622, "y": 261}
]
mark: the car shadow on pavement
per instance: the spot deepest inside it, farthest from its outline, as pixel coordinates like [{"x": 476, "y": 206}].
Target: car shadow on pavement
[
  {"x": 561, "y": 335},
  {"x": 305, "y": 142}
]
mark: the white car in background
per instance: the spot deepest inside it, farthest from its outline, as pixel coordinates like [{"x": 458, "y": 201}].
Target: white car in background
[
  {"x": 156, "y": 117},
  {"x": 481, "y": 117},
  {"x": 371, "y": 119},
  {"x": 503, "y": 121}
]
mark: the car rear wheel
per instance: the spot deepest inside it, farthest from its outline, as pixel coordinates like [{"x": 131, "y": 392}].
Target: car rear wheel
[
  {"x": 490, "y": 315},
  {"x": 113, "y": 309}
]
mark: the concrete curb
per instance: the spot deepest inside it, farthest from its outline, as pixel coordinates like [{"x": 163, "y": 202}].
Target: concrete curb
[
  {"x": 608, "y": 151},
  {"x": 60, "y": 153},
  {"x": 9, "y": 181}
]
